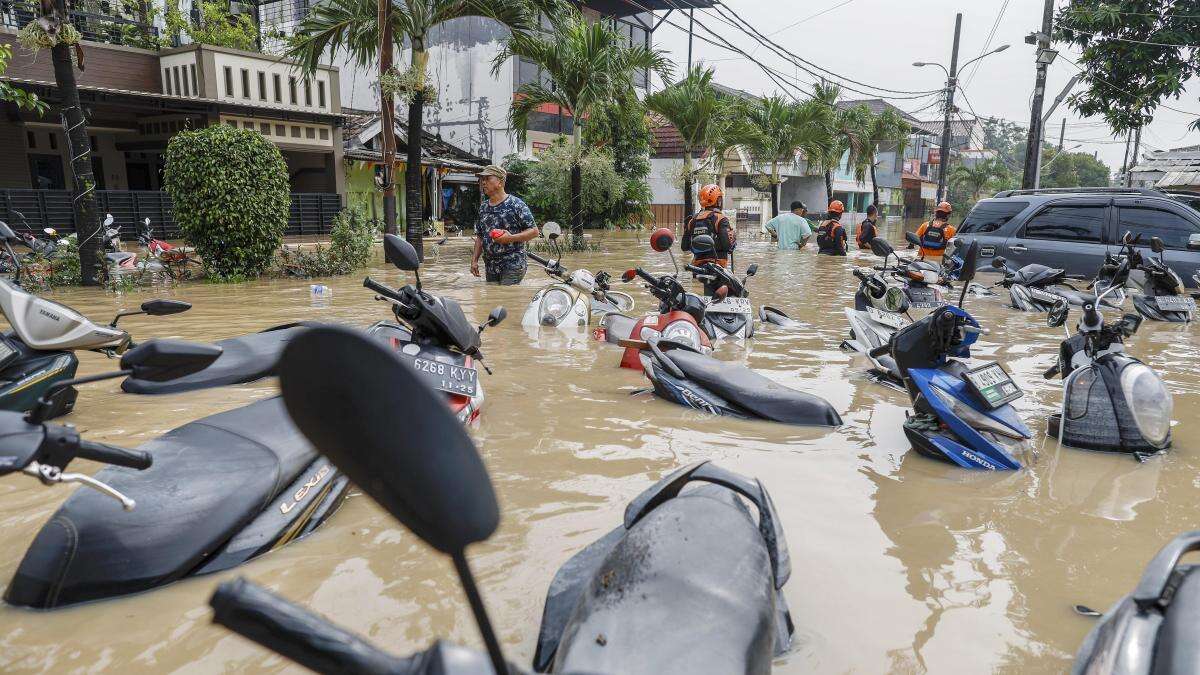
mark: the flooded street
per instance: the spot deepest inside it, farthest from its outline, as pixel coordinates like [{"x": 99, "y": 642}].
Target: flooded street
[{"x": 899, "y": 563}]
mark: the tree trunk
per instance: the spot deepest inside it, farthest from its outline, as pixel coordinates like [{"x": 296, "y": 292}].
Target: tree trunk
[
  {"x": 576, "y": 204},
  {"x": 414, "y": 203},
  {"x": 79, "y": 146},
  {"x": 687, "y": 184},
  {"x": 874, "y": 189},
  {"x": 387, "y": 123},
  {"x": 774, "y": 190},
  {"x": 828, "y": 187}
]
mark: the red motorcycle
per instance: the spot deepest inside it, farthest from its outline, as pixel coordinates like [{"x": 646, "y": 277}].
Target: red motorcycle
[{"x": 679, "y": 312}]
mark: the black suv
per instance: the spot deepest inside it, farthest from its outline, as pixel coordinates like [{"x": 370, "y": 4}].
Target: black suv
[{"x": 1074, "y": 228}]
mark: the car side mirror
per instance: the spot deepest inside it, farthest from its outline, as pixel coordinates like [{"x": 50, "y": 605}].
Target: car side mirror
[
  {"x": 496, "y": 316},
  {"x": 1057, "y": 315},
  {"x": 161, "y": 360},
  {"x": 752, "y": 270},
  {"x": 912, "y": 238},
  {"x": 1193, "y": 243},
  {"x": 401, "y": 253},
  {"x": 164, "y": 307},
  {"x": 1156, "y": 245}
]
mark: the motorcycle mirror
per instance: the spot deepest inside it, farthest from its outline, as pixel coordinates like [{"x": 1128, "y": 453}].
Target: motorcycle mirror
[
  {"x": 912, "y": 238},
  {"x": 970, "y": 261},
  {"x": 6, "y": 232},
  {"x": 1156, "y": 245},
  {"x": 146, "y": 222},
  {"x": 752, "y": 270},
  {"x": 1057, "y": 316},
  {"x": 1127, "y": 238},
  {"x": 628, "y": 276},
  {"x": 881, "y": 247},
  {"x": 108, "y": 219},
  {"x": 50, "y": 231},
  {"x": 401, "y": 253},
  {"x": 164, "y": 307},
  {"x": 496, "y": 316},
  {"x": 662, "y": 239},
  {"x": 371, "y": 415},
  {"x": 163, "y": 359},
  {"x": 722, "y": 292},
  {"x": 998, "y": 262},
  {"x": 552, "y": 230}
]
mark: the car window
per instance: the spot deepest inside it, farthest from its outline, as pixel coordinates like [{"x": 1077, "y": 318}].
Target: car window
[
  {"x": 990, "y": 216},
  {"x": 1172, "y": 228},
  {"x": 1068, "y": 223}
]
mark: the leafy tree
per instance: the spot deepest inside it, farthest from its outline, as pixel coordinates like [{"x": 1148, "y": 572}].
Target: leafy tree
[
  {"x": 622, "y": 128},
  {"x": 887, "y": 128},
  {"x": 16, "y": 95},
  {"x": 977, "y": 177},
  {"x": 776, "y": 129},
  {"x": 694, "y": 108},
  {"x": 1137, "y": 54},
  {"x": 1007, "y": 138},
  {"x": 547, "y": 185},
  {"x": 231, "y": 194},
  {"x": 845, "y": 135},
  {"x": 588, "y": 66},
  {"x": 1072, "y": 169},
  {"x": 358, "y": 28}
]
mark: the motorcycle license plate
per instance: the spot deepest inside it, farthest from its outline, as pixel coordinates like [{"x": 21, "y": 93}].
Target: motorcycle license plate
[
  {"x": 446, "y": 377},
  {"x": 924, "y": 298},
  {"x": 1175, "y": 303},
  {"x": 992, "y": 384},
  {"x": 731, "y": 305}
]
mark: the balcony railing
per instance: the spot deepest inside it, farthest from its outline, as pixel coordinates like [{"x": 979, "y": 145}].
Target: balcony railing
[
  {"x": 311, "y": 212},
  {"x": 96, "y": 21}
]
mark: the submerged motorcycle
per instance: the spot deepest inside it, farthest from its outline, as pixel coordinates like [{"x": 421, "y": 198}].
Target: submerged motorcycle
[
  {"x": 1111, "y": 401},
  {"x": 682, "y": 374},
  {"x": 576, "y": 299},
  {"x": 433, "y": 335},
  {"x": 689, "y": 582},
  {"x": 1161, "y": 294},
  {"x": 959, "y": 413},
  {"x": 1152, "y": 630},
  {"x": 1038, "y": 288},
  {"x": 882, "y": 303},
  {"x": 209, "y": 495},
  {"x": 728, "y": 313}
]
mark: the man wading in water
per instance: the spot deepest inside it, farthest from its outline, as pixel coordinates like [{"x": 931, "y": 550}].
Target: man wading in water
[{"x": 505, "y": 224}]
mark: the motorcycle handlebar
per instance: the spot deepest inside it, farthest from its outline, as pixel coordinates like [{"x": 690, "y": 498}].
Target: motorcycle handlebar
[
  {"x": 111, "y": 454},
  {"x": 311, "y": 641},
  {"x": 539, "y": 259},
  {"x": 646, "y": 277},
  {"x": 382, "y": 290}
]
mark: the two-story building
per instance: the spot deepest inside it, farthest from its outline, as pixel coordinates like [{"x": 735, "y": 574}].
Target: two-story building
[{"x": 136, "y": 99}]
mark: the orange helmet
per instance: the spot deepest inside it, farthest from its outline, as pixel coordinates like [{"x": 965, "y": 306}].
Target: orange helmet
[
  {"x": 710, "y": 194},
  {"x": 945, "y": 206},
  {"x": 836, "y": 206}
]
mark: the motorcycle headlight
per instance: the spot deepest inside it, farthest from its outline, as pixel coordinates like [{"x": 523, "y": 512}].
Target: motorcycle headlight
[
  {"x": 972, "y": 416},
  {"x": 555, "y": 305},
  {"x": 894, "y": 299},
  {"x": 1150, "y": 402},
  {"x": 683, "y": 332}
]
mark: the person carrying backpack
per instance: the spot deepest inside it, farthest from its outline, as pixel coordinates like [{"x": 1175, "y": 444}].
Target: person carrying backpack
[
  {"x": 710, "y": 221},
  {"x": 831, "y": 235},
  {"x": 936, "y": 233}
]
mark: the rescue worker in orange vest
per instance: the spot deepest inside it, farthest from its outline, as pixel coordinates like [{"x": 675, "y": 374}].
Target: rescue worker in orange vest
[
  {"x": 710, "y": 221},
  {"x": 936, "y": 233},
  {"x": 867, "y": 230},
  {"x": 831, "y": 235}
]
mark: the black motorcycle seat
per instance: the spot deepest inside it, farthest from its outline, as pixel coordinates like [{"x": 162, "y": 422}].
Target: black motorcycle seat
[
  {"x": 689, "y": 589},
  {"x": 243, "y": 359},
  {"x": 209, "y": 479},
  {"x": 753, "y": 392}
]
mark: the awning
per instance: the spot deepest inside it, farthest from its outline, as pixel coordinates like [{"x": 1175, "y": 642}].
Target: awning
[
  {"x": 1179, "y": 179},
  {"x": 376, "y": 157},
  {"x": 619, "y": 8}
]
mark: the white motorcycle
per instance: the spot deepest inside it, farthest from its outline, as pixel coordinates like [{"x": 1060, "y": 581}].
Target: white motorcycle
[{"x": 575, "y": 299}]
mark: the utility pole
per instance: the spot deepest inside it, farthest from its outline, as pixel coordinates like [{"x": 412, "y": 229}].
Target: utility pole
[
  {"x": 1125, "y": 162},
  {"x": 951, "y": 83},
  {"x": 1033, "y": 144},
  {"x": 1062, "y": 134},
  {"x": 691, "y": 26},
  {"x": 1133, "y": 160}
]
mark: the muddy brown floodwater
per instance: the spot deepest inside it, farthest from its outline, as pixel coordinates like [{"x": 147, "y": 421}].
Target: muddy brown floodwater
[{"x": 900, "y": 564}]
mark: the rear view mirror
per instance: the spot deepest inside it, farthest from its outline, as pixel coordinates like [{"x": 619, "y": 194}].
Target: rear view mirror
[
  {"x": 628, "y": 276},
  {"x": 108, "y": 219},
  {"x": 371, "y": 414},
  {"x": 552, "y": 230},
  {"x": 998, "y": 262},
  {"x": 881, "y": 247},
  {"x": 161, "y": 360},
  {"x": 661, "y": 240},
  {"x": 1057, "y": 315},
  {"x": 401, "y": 253},
  {"x": 1156, "y": 245},
  {"x": 496, "y": 316},
  {"x": 50, "y": 231},
  {"x": 912, "y": 238},
  {"x": 164, "y": 307},
  {"x": 1127, "y": 238},
  {"x": 752, "y": 270}
]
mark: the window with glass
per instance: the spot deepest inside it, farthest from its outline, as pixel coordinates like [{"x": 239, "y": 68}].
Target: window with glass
[
  {"x": 990, "y": 216},
  {"x": 1068, "y": 223},
  {"x": 245, "y": 83},
  {"x": 228, "y": 81},
  {"x": 1172, "y": 228},
  {"x": 292, "y": 90},
  {"x": 275, "y": 80},
  {"x": 262, "y": 86}
]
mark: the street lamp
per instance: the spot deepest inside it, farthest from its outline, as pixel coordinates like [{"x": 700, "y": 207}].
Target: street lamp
[{"x": 951, "y": 83}]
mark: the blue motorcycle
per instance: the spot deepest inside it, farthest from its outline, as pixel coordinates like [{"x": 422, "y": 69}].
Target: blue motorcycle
[{"x": 959, "y": 413}]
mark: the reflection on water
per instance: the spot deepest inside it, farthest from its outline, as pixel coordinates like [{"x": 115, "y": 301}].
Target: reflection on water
[{"x": 900, "y": 564}]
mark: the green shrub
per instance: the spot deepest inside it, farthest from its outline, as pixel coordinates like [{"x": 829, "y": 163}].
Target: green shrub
[
  {"x": 349, "y": 249},
  {"x": 61, "y": 269},
  {"x": 230, "y": 190},
  {"x": 546, "y": 184}
]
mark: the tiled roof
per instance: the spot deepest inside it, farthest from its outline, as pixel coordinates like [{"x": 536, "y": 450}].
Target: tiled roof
[
  {"x": 877, "y": 106},
  {"x": 431, "y": 145},
  {"x": 667, "y": 143}
]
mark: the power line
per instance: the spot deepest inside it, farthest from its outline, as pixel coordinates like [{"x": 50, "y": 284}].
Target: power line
[
  {"x": 811, "y": 17},
  {"x": 987, "y": 43},
  {"x": 1100, "y": 79}
]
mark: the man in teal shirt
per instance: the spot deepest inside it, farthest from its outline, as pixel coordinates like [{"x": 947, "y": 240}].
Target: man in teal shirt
[{"x": 791, "y": 229}]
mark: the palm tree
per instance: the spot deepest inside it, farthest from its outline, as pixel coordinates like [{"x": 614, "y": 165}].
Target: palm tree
[
  {"x": 844, "y": 129},
  {"x": 370, "y": 31},
  {"x": 588, "y": 66},
  {"x": 976, "y": 178},
  {"x": 694, "y": 108},
  {"x": 887, "y": 128},
  {"x": 777, "y": 128},
  {"x": 54, "y": 16}
]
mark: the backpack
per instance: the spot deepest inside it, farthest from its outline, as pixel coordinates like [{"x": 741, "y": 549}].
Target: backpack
[
  {"x": 709, "y": 222},
  {"x": 827, "y": 239}
]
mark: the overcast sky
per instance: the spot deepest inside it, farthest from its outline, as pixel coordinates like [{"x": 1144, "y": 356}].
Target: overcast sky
[{"x": 876, "y": 42}]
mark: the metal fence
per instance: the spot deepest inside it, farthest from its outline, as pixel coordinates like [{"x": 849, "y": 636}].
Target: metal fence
[
  {"x": 96, "y": 21},
  {"x": 311, "y": 212}
]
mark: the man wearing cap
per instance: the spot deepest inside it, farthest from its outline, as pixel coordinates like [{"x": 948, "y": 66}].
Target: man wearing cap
[
  {"x": 505, "y": 224},
  {"x": 791, "y": 230}
]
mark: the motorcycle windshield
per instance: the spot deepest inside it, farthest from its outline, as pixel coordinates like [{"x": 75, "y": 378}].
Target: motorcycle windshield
[{"x": 444, "y": 317}]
